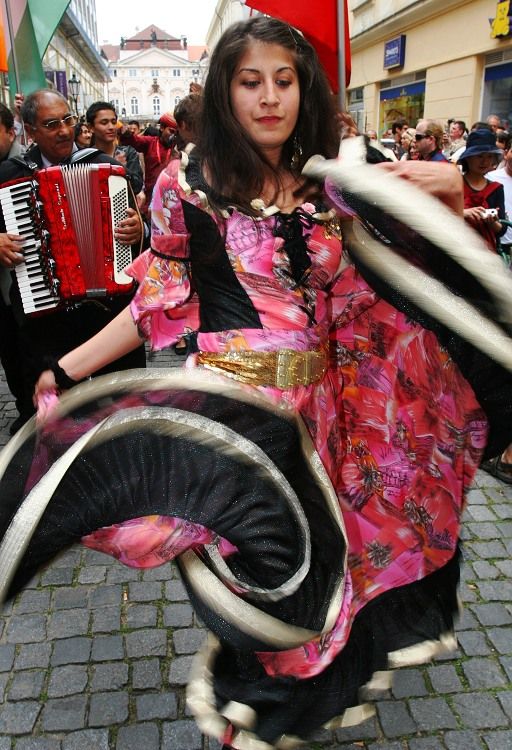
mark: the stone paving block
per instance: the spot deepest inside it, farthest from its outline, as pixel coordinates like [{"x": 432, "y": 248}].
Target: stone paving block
[
  {"x": 395, "y": 718},
  {"x": 146, "y": 643},
  {"x": 26, "y": 629},
  {"x": 33, "y": 602},
  {"x": 64, "y": 714},
  {"x": 466, "y": 621},
  {"x": 177, "y": 615},
  {"x": 122, "y": 574},
  {"x": 477, "y": 497},
  {"x": 68, "y": 623},
  {"x": 162, "y": 573},
  {"x": 444, "y": 678},
  {"x": 4, "y": 677},
  {"x": 106, "y": 595},
  {"x": 479, "y": 710},
  {"x": 87, "y": 739},
  {"x": 179, "y": 670},
  {"x": 57, "y": 577},
  {"x": 175, "y": 591},
  {"x": 71, "y": 651},
  {"x": 108, "y": 708},
  {"x": 499, "y": 740},
  {"x": 141, "y": 615},
  {"x": 92, "y": 557},
  {"x": 484, "y": 569},
  {"x": 501, "y": 639},
  {"x": 488, "y": 550},
  {"x": 506, "y": 663},
  {"x": 462, "y": 740},
  {"x": 33, "y": 655},
  {"x": 367, "y": 730},
  {"x": 67, "y": 680},
  {"x": 156, "y": 706},
  {"x": 474, "y": 643},
  {"x": 480, "y": 513},
  {"x": 189, "y": 640},
  {"x": 505, "y": 699},
  {"x": 146, "y": 674},
  {"x": 483, "y": 673},
  {"x": 505, "y": 567},
  {"x": 26, "y": 685},
  {"x": 68, "y": 558},
  {"x": 408, "y": 682},
  {"x": 6, "y": 657},
  {"x": 70, "y": 597},
  {"x": 504, "y": 510},
  {"x": 484, "y": 530},
  {"x": 106, "y": 620},
  {"x": 37, "y": 743},
  {"x": 19, "y": 717},
  {"x": 431, "y": 714},
  {"x": 468, "y": 592},
  {"x": 93, "y": 574},
  {"x": 112, "y": 676},
  {"x": 181, "y": 734},
  {"x": 385, "y": 745},
  {"x": 492, "y": 613},
  {"x": 497, "y": 591},
  {"x": 145, "y": 736},
  {"x": 144, "y": 591},
  {"x": 107, "y": 648},
  {"x": 425, "y": 743}
]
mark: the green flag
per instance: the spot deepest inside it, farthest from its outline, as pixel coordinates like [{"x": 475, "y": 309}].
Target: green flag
[{"x": 34, "y": 23}]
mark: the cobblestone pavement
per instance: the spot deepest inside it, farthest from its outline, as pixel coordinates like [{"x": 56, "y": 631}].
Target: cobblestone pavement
[{"x": 95, "y": 656}]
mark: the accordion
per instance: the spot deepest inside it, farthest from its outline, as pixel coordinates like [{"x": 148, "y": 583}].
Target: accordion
[{"x": 67, "y": 216}]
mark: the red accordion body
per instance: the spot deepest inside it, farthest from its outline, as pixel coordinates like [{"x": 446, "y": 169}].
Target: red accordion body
[{"x": 67, "y": 216}]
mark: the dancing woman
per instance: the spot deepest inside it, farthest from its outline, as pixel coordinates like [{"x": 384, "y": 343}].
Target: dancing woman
[{"x": 308, "y": 469}]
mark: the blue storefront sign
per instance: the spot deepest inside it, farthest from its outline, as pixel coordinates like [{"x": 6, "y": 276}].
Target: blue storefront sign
[
  {"x": 394, "y": 52},
  {"x": 61, "y": 83}
]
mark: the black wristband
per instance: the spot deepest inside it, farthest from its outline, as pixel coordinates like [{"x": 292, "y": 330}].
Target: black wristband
[{"x": 61, "y": 377}]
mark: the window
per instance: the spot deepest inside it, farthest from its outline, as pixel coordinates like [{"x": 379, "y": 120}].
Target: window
[
  {"x": 132, "y": 72},
  {"x": 156, "y": 106},
  {"x": 154, "y": 74},
  {"x": 195, "y": 73},
  {"x": 115, "y": 104},
  {"x": 113, "y": 72},
  {"x": 176, "y": 72},
  {"x": 134, "y": 105}
]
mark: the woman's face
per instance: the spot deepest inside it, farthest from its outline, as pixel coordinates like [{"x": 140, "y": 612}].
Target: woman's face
[
  {"x": 265, "y": 96},
  {"x": 481, "y": 164},
  {"x": 84, "y": 137}
]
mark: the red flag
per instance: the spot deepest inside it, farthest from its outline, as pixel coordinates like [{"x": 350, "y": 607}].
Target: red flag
[{"x": 319, "y": 26}]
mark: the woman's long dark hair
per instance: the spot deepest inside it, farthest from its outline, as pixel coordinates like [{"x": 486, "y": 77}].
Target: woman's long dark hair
[{"x": 236, "y": 167}]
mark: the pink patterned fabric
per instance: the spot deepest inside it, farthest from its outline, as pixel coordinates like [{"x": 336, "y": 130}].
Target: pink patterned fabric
[{"x": 397, "y": 427}]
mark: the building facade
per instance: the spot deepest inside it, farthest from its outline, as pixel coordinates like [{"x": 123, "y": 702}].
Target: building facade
[
  {"x": 439, "y": 59},
  {"x": 151, "y": 72}
]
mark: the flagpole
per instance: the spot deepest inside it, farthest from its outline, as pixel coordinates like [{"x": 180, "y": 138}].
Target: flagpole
[
  {"x": 13, "y": 48},
  {"x": 342, "y": 89}
]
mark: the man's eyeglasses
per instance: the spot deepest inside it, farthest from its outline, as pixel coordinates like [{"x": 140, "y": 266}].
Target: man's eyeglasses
[
  {"x": 53, "y": 125},
  {"x": 421, "y": 136}
]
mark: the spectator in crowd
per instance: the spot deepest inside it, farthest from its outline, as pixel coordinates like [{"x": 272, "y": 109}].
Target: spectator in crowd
[
  {"x": 10, "y": 344},
  {"x": 408, "y": 144},
  {"x": 456, "y": 140},
  {"x": 103, "y": 123},
  {"x": 429, "y": 140},
  {"x": 187, "y": 114},
  {"x": 494, "y": 122},
  {"x": 51, "y": 125},
  {"x": 157, "y": 150},
  {"x": 134, "y": 127},
  {"x": 398, "y": 127},
  {"x": 481, "y": 194},
  {"x": 82, "y": 135},
  {"x": 503, "y": 175}
]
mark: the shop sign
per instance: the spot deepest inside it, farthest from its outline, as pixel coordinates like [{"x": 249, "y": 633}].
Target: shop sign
[
  {"x": 500, "y": 25},
  {"x": 394, "y": 52},
  {"x": 61, "y": 83}
]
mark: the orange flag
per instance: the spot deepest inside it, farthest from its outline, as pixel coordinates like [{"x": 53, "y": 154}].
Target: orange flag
[{"x": 4, "y": 67}]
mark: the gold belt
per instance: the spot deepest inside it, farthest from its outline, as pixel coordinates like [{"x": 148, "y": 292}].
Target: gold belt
[{"x": 282, "y": 369}]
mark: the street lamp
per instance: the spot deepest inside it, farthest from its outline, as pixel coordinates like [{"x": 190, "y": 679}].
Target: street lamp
[{"x": 74, "y": 88}]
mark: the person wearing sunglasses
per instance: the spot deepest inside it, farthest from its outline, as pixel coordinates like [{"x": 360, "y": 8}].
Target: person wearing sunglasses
[
  {"x": 429, "y": 140},
  {"x": 51, "y": 125}
]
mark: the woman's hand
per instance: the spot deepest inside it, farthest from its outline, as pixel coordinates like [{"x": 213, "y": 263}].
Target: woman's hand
[
  {"x": 11, "y": 250},
  {"x": 45, "y": 384},
  {"x": 441, "y": 180}
]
